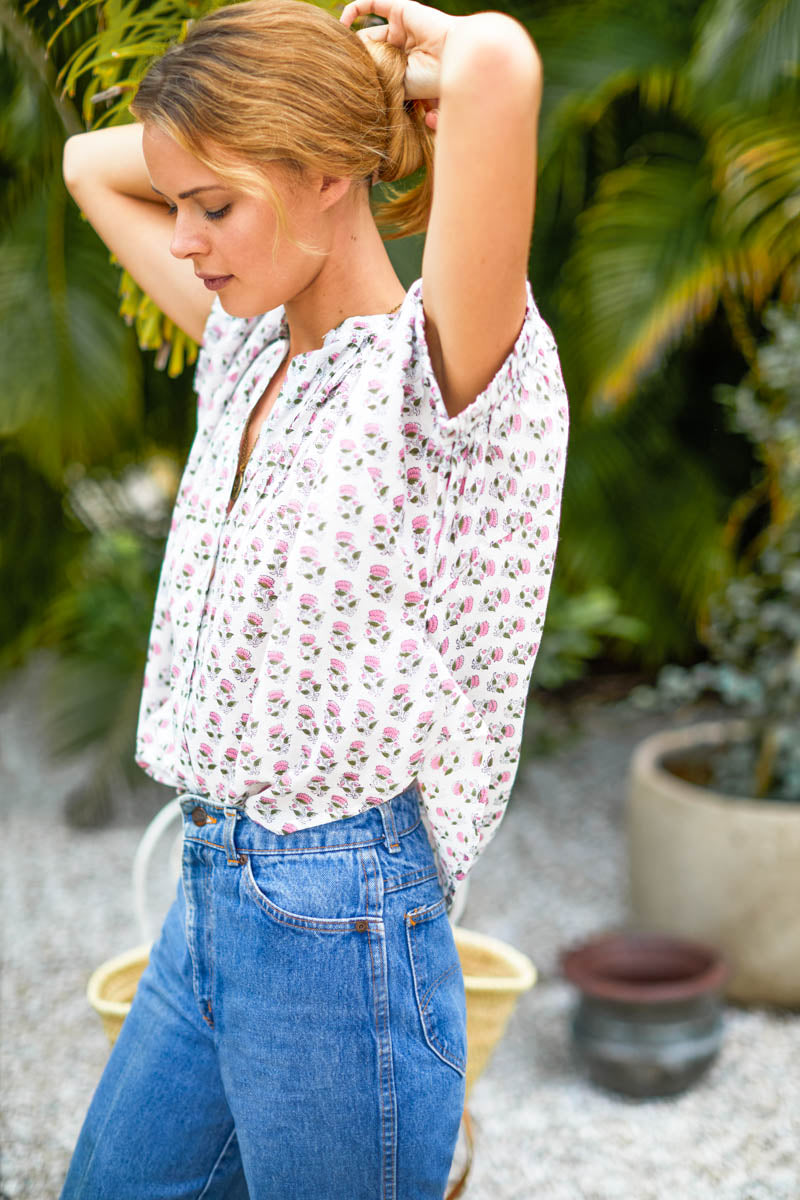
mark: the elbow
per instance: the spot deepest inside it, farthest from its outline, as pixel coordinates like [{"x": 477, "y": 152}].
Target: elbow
[{"x": 70, "y": 162}]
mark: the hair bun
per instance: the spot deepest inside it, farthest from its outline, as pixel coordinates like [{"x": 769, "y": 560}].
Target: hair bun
[{"x": 407, "y": 135}]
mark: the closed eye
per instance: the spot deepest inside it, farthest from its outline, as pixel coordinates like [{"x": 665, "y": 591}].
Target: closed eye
[{"x": 217, "y": 215}]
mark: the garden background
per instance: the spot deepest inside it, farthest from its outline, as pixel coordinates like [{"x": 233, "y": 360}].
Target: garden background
[{"x": 665, "y": 259}]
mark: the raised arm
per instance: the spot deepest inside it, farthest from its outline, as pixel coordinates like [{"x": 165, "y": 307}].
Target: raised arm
[
  {"x": 484, "y": 73},
  {"x": 106, "y": 174}
]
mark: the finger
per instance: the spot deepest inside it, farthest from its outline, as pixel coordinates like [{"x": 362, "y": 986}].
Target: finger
[
  {"x": 360, "y": 8},
  {"x": 375, "y": 33}
]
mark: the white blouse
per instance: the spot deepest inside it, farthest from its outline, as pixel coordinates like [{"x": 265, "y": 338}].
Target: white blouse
[{"x": 370, "y": 611}]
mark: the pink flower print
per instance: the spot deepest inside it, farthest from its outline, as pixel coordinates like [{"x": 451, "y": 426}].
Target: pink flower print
[
  {"x": 420, "y": 524},
  {"x": 432, "y": 624},
  {"x": 231, "y": 754},
  {"x": 188, "y": 570},
  {"x": 372, "y": 667},
  {"x": 287, "y": 828},
  {"x": 215, "y": 718},
  {"x": 206, "y": 751}
]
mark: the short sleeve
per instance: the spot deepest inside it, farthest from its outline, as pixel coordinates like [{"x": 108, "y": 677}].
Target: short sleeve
[{"x": 503, "y": 456}]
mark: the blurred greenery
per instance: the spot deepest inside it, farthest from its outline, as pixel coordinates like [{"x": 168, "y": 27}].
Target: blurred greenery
[{"x": 668, "y": 218}]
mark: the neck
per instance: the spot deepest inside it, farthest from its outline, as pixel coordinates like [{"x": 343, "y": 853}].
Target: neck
[{"x": 356, "y": 278}]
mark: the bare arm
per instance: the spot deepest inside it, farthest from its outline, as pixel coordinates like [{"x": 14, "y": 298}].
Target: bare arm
[
  {"x": 484, "y": 73},
  {"x": 106, "y": 174},
  {"x": 476, "y": 252}
]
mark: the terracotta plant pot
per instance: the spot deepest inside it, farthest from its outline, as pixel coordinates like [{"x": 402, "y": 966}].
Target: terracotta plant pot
[
  {"x": 719, "y": 868},
  {"x": 649, "y": 1018}
]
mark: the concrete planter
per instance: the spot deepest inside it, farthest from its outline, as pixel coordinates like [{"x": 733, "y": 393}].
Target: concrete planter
[{"x": 717, "y": 868}]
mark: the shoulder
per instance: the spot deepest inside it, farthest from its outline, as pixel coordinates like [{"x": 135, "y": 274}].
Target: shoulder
[{"x": 530, "y": 375}]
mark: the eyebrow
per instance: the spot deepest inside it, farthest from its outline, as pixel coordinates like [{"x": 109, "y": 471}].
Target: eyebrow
[{"x": 208, "y": 187}]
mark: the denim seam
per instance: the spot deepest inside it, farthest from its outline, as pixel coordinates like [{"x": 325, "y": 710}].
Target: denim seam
[
  {"x": 405, "y": 881},
  {"x": 385, "y": 1078},
  {"x": 295, "y": 920},
  {"x": 209, "y": 947},
  {"x": 217, "y": 1162},
  {"x": 426, "y": 999},
  {"x": 306, "y": 849},
  {"x": 191, "y": 931},
  {"x": 435, "y": 1043},
  {"x": 366, "y": 882}
]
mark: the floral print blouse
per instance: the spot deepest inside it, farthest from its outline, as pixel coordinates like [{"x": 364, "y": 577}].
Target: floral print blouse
[{"x": 369, "y": 612}]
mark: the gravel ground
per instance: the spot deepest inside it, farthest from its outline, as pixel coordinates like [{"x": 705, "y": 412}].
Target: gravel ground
[{"x": 555, "y": 873}]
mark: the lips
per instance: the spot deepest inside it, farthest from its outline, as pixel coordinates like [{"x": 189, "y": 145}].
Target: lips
[{"x": 214, "y": 282}]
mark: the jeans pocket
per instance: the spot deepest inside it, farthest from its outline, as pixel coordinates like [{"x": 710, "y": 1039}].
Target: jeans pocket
[
  {"x": 438, "y": 983},
  {"x": 312, "y": 890}
]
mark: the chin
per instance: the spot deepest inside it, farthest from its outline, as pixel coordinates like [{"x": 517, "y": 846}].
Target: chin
[{"x": 241, "y": 308}]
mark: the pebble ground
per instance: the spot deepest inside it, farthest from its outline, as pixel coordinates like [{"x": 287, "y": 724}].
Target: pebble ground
[{"x": 554, "y": 874}]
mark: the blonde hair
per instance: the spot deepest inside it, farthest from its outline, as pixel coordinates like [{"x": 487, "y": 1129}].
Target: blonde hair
[{"x": 282, "y": 81}]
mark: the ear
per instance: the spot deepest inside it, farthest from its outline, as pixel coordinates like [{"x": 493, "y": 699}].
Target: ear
[{"x": 332, "y": 189}]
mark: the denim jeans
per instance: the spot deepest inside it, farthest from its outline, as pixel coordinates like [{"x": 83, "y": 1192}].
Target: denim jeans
[{"x": 300, "y": 1030}]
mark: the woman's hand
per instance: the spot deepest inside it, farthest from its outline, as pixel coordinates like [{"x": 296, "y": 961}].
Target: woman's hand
[{"x": 420, "y": 32}]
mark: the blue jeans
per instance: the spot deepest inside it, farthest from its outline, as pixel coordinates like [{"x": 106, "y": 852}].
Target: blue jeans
[{"x": 300, "y": 1030}]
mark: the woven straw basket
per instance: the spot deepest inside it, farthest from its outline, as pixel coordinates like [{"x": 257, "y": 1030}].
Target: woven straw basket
[{"x": 495, "y": 974}]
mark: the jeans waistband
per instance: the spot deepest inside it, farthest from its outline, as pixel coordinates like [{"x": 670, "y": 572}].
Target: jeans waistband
[{"x": 213, "y": 822}]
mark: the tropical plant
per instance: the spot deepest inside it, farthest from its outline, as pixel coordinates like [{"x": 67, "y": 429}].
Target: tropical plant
[
  {"x": 752, "y": 626},
  {"x": 666, "y": 218},
  {"x": 704, "y": 210}
]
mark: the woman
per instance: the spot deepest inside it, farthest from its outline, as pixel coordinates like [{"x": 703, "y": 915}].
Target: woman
[{"x": 353, "y": 588}]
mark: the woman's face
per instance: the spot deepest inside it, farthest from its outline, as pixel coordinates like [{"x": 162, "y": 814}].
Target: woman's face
[{"x": 229, "y": 234}]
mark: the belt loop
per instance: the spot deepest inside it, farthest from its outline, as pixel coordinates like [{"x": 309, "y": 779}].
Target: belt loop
[
  {"x": 229, "y": 839},
  {"x": 389, "y": 827}
]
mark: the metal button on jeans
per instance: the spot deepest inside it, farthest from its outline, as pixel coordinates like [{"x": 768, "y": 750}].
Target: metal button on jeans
[
  {"x": 199, "y": 815},
  {"x": 362, "y": 926}
]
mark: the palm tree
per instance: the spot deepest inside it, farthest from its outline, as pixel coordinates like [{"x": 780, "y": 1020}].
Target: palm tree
[{"x": 668, "y": 216}]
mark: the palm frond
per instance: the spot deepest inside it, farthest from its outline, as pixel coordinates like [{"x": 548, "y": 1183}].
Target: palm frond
[
  {"x": 757, "y": 174},
  {"x": 644, "y": 272},
  {"x": 746, "y": 52},
  {"x": 71, "y": 371}
]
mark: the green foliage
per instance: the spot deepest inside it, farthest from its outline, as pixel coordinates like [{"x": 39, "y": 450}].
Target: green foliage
[
  {"x": 100, "y": 621},
  {"x": 72, "y": 371},
  {"x": 578, "y": 630},
  {"x": 752, "y": 626},
  {"x": 701, "y": 207}
]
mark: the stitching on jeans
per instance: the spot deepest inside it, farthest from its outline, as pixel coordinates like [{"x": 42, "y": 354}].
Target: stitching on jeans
[
  {"x": 208, "y": 947},
  {"x": 407, "y": 880},
  {"x": 380, "y": 1065},
  {"x": 220, "y": 1157},
  {"x": 308, "y": 849},
  {"x": 426, "y": 999},
  {"x": 366, "y": 880},
  {"x": 295, "y": 921}
]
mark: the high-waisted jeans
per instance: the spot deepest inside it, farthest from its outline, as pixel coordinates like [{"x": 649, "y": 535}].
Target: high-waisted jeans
[{"x": 300, "y": 1030}]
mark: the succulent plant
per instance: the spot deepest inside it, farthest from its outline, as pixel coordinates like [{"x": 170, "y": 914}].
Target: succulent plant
[{"x": 752, "y": 625}]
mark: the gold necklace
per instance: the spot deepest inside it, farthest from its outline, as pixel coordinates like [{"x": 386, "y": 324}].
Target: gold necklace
[{"x": 244, "y": 453}]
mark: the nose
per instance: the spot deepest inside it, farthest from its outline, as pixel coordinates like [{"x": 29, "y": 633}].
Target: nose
[{"x": 188, "y": 238}]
